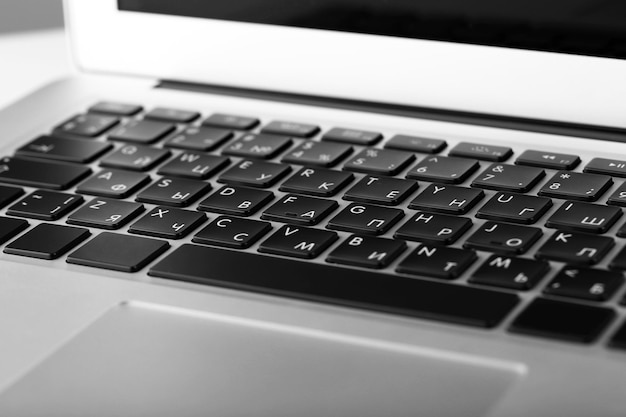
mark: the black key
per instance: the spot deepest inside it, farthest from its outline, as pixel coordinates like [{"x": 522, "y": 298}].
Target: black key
[
  {"x": 612, "y": 167},
  {"x": 41, "y": 174},
  {"x": 9, "y": 228},
  {"x": 322, "y": 154},
  {"x": 105, "y": 214},
  {"x": 484, "y": 152},
  {"x": 619, "y": 262},
  {"x": 561, "y": 320},
  {"x": 239, "y": 201},
  {"x": 503, "y": 177},
  {"x": 317, "y": 181},
  {"x": 356, "y": 137},
  {"x": 585, "y": 283},
  {"x": 366, "y": 251},
  {"x": 9, "y": 194},
  {"x": 168, "y": 223},
  {"x": 437, "y": 262},
  {"x": 298, "y": 242},
  {"x": 172, "y": 115},
  {"x": 47, "y": 241},
  {"x": 342, "y": 286},
  {"x": 194, "y": 165},
  {"x": 548, "y": 160},
  {"x": 510, "y": 272},
  {"x": 618, "y": 198},
  {"x": 176, "y": 192},
  {"x": 114, "y": 183},
  {"x": 45, "y": 205},
  {"x": 439, "y": 229},
  {"x": 135, "y": 158},
  {"x": 118, "y": 252},
  {"x": 87, "y": 125},
  {"x": 416, "y": 144},
  {"x": 142, "y": 131},
  {"x": 443, "y": 169},
  {"x": 381, "y": 190},
  {"x": 514, "y": 208},
  {"x": 116, "y": 109},
  {"x": 64, "y": 149},
  {"x": 229, "y": 121},
  {"x": 576, "y": 186},
  {"x": 380, "y": 161},
  {"x": 618, "y": 340},
  {"x": 503, "y": 238},
  {"x": 300, "y": 210},
  {"x": 299, "y": 130},
  {"x": 257, "y": 174},
  {"x": 447, "y": 199},
  {"x": 232, "y": 232},
  {"x": 575, "y": 248},
  {"x": 584, "y": 217},
  {"x": 365, "y": 218},
  {"x": 203, "y": 139},
  {"x": 258, "y": 146}
]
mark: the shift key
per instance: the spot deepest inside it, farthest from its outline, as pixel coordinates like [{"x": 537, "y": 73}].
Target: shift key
[{"x": 41, "y": 174}]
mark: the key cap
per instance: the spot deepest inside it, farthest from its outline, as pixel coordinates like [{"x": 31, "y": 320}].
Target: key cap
[
  {"x": 9, "y": 194},
  {"x": 447, "y": 199},
  {"x": 9, "y": 228},
  {"x": 353, "y": 136},
  {"x": 483, "y": 152},
  {"x": 87, "y": 125},
  {"x": 503, "y": 238},
  {"x": 575, "y": 248},
  {"x": 618, "y": 340},
  {"x": 562, "y": 320},
  {"x": 63, "y": 149},
  {"x": 318, "y": 154},
  {"x": 300, "y": 210},
  {"x": 381, "y": 190},
  {"x": 230, "y": 121},
  {"x": 548, "y": 160},
  {"x": 346, "y": 287},
  {"x": 379, "y": 161},
  {"x": 142, "y": 131},
  {"x": 239, "y": 201},
  {"x": 366, "y": 219},
  {"x": 584, "y": 217},
  {"x": 232, "y": 232},
  {"x": 619, "y": 262},
  {"x": 258, "y": 146},
  {"x": 118, "y": 252},
  {"x": 298, "y": 242},
  {"x": 443, "y": 169},
  {"x": 317, "y": 181},
  {"x": 113, "y": 183},
  {"x": 618, "y": 198},
  {"x": 437, "y": 262},
  {"x": 201, "y": 139},
  {"x": 510, "y": 272},
  {"x": 116, "y": 109},
  {"x": 299, "y": 130},
  {"x": 47, "y": 241},
  {"x": 257, "y": 174},
  {"x": 175, "y": 192},
  {"x": 514, "y": 208},
  {"x": 194, "y": 165},
  {"x": 135, "y": 158},
  {"x": 585, "y": 283},
  {"x": 416, "y": 144},
  {"x": 45, "y": 205},
  {"x": 168, "y": 223},
  {"x": 41, "y": 174},
  {"x": 438, "y": 229},
  {"x": 366, "y": 251},
  {"x": 104, "y": 213},
  {"x": 172, "y": 115},
  {"x": 612, "y": 167},
  {"x": 503, "y": 177},
  {"x": 621, "y": 232},
  {"x": 576, "y": 186}
]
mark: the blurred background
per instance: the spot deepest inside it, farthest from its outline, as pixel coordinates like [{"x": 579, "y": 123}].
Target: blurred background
[{"x": 25, "y": 15}]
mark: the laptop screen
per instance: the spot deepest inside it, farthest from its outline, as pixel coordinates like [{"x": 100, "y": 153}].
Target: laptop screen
[{"x": 585, "y": 27}]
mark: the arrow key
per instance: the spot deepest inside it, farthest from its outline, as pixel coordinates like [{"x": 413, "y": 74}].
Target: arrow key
[{"x": 585, "y": 283}]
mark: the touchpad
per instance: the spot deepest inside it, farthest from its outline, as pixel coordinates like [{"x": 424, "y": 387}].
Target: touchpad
[{"x": 151, "y": 360}]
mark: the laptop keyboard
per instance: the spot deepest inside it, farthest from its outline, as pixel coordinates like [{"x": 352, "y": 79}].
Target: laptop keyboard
[{"x": 400, "y": 228}]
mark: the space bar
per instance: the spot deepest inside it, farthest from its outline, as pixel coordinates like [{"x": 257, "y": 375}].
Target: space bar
[{"x": 336, "y": 285}]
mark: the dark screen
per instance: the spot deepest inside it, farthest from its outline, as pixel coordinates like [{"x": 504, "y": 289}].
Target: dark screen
[{"x": 586, "y": 27}]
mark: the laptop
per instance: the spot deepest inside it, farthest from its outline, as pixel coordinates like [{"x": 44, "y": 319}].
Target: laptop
[{"x": 319, "y": 208}]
